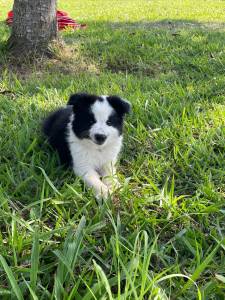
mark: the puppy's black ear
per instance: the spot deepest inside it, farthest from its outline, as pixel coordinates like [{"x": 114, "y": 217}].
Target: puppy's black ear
[
  {"x": 81, "y": 101},
  {"x": 121, "y": 106},
  {"x": 76, "y": 98}
]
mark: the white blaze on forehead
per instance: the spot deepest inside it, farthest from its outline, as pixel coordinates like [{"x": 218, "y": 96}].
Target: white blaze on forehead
[{"x": 101, "y": 110}]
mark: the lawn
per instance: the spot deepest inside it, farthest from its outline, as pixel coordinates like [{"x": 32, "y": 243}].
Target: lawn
[{"x": 162, "y": 235}]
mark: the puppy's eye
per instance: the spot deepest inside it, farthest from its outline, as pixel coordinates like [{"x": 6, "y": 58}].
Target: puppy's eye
[
  {"x": 109, "y": 123},
  {"x": 91, "y": 122}
]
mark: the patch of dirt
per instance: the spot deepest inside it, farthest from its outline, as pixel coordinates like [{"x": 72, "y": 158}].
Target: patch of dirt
[{"x": 65, "y": 61}]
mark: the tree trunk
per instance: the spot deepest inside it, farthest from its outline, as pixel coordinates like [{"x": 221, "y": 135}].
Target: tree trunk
[{"x": 34, "y": 26}]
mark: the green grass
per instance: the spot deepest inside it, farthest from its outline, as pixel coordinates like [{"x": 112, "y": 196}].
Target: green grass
[{"x": 162, "y": 236}]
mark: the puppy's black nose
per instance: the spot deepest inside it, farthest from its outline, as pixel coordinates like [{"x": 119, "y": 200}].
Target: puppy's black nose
[{"x": 100, "y": 138}]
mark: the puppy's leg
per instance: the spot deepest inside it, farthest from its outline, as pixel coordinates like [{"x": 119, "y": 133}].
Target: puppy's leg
[{"x": 92, "y": 179}]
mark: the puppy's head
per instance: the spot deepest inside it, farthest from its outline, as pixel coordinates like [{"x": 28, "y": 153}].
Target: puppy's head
[{"x": 98, "y": 118}]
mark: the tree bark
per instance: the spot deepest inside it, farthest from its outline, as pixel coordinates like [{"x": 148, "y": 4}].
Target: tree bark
[{"x": 34, "y": 26}]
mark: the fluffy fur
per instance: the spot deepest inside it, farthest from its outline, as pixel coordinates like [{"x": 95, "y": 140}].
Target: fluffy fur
[{"x": 87, "y": 134}]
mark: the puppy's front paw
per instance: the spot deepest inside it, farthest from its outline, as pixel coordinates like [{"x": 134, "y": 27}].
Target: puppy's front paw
[
  {"x": 116, "y": 184},
  {"x": 112, "y": 183},
  {"x": 103, "y": 193}
]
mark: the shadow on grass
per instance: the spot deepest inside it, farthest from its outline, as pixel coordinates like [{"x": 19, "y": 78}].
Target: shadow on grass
[
  {"x": 167, "y": 50},
  {"x": 185, "y": 48},
  {"x": 152, "y": 48}
]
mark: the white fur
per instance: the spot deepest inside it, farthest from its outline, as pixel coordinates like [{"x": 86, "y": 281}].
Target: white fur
[{"x": 92, "y": 161}]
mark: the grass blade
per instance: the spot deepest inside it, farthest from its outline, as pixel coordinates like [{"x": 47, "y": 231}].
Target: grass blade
[
  {"x": 104, "y": 279},
  {"x": 183, "y": 276},
  {"x": 31, "y": 290},
  {"x": 12, "y": 280},
  {"x": 68, "y": 257},
  {"x": 200, "y": 269},
  {"x": 34, "y": 261}
]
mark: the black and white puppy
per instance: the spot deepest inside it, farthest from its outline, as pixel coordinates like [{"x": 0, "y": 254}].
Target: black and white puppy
[{"x": 87, "y": 134}]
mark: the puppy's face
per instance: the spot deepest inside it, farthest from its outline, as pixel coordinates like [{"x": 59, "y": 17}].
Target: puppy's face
[{"x": 98, "y": 119}]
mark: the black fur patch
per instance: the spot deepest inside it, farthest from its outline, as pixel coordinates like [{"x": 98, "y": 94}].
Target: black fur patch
[
  {"x": 82, "y": 99},
  {"x": 119, "y": 105},
  {"x": 121, "y": 108},
  {"x": 84, "y": 118},
  {"x": 54, "y": 127},
  {"x": 116, "y": 121}
]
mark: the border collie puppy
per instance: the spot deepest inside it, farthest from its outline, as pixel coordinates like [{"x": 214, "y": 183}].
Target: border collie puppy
[{"x": 87, "y": 134}]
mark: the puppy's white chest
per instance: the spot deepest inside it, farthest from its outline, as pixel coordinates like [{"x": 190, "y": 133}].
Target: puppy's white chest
[
  {"x": 102, "y": 157},
  {"x": 85, "y": 154}
]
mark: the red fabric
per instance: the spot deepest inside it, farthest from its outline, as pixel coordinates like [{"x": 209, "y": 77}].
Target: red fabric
[{"x": 63, "y": 21}]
